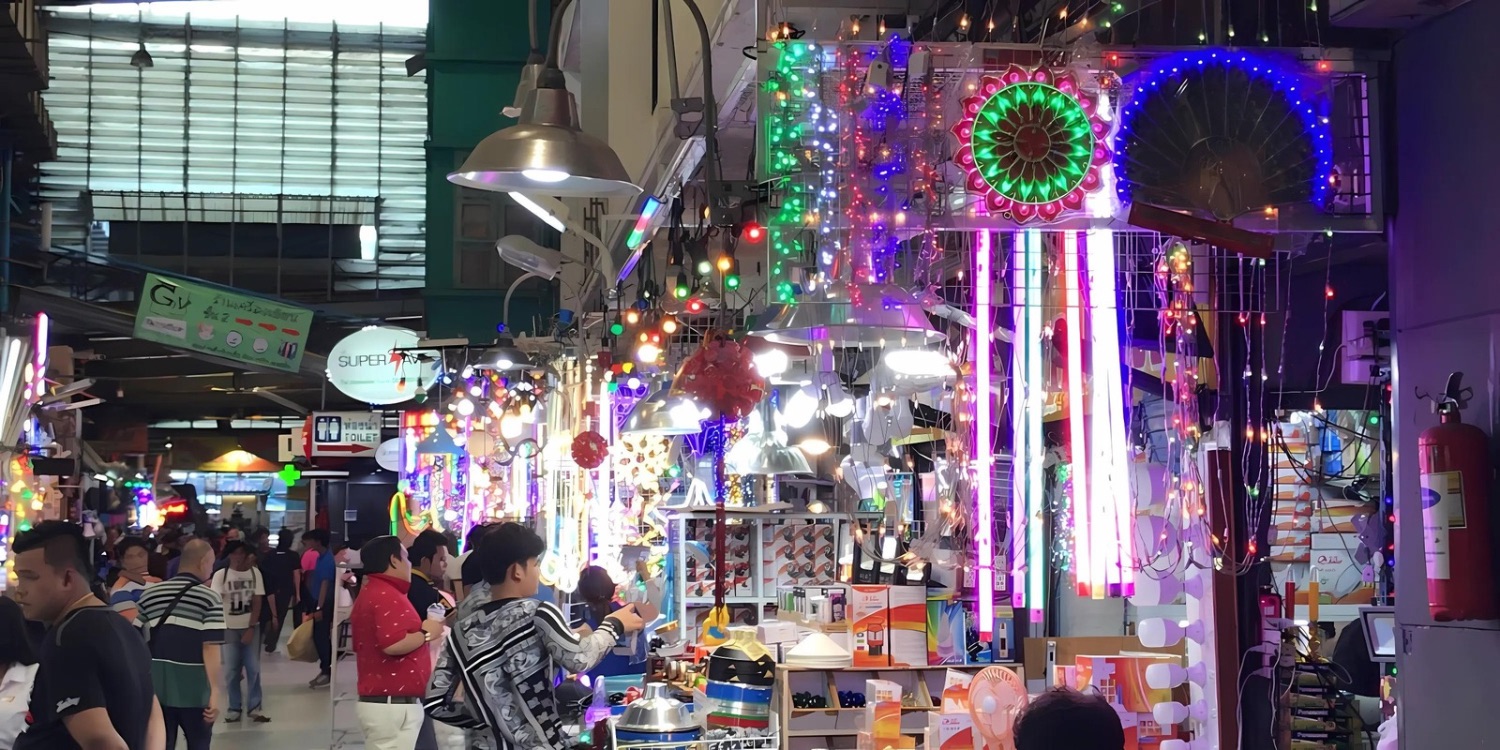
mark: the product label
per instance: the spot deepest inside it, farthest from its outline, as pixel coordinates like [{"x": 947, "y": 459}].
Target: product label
[{"x": 1442, "y": 511}]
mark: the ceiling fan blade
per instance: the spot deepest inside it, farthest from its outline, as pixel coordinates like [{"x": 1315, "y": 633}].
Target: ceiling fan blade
[{"x": 274, "y": 398}]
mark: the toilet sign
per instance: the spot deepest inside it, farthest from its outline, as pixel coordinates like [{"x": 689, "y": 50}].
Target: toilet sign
[{"x": 346, "y": 434}]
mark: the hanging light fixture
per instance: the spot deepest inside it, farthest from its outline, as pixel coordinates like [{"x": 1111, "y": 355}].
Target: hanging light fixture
[
  {"x": 547, "y": 152},
  {"x": 765, "y": 454},
  {"x": 666, "y": 413},
  {"x": 142, "y": 59},
  {"x": 918, "y": 362},
  {"x": 849, "y": 315},
  {"x": 504, "y": 356}
]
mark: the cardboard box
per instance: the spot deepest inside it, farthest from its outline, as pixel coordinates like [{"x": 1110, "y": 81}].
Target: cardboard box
[
  {"x": 883, "y": 710},
  {"x": 869, "y": 613},
  {"x": 908, "y": 626},
  {"x": 1121, "y": 679},
  {"x": 950, "y": 731},
  {"x": 946, "y": 630},
  {"x": 1341, "y": 579}
]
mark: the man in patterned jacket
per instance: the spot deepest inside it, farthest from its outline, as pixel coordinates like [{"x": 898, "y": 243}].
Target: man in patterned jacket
[{"x": 495, "y": 672}]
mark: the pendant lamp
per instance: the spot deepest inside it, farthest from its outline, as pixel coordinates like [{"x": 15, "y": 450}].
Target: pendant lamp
[
  {"x": 546, "y": 152},
  {"x": 846, "y": 314}
]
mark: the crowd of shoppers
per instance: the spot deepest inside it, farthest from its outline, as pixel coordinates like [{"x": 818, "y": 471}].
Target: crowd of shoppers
[{"x": 158, "y": 657}]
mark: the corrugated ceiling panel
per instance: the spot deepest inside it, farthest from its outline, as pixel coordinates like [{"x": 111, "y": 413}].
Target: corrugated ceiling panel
[{"x": 252, "y": 119}]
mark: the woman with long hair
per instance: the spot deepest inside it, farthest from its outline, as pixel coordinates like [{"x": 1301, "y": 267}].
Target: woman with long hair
[{"x": 17, "y": 672}]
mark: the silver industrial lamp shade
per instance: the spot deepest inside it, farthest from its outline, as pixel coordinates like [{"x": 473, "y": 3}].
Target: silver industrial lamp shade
[
  {"x": 852, "y": 315},
  {"x": 504, "y": 357},
  {"x": 667, "y": 414},
  {"x": 765, "y": 454},
  {"x": 525, "y": 86},
  {"x": 546, "y": 152}
]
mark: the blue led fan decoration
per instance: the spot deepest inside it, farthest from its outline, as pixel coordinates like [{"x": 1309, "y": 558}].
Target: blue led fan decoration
[{"x": 1222, "y": 133}]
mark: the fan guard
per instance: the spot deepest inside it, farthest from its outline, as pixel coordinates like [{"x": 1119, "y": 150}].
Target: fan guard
[{"x": 1223, "y": 133}]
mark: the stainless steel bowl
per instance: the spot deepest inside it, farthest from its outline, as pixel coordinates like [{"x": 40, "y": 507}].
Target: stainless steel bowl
[{"x": 656, "y": 711}]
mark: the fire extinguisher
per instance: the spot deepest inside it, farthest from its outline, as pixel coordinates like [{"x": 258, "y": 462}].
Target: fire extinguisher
[{"x": 1455, "y": 478}]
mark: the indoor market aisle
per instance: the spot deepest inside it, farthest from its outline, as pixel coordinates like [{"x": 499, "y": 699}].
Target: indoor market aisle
[{"x": 299, "y": 715}]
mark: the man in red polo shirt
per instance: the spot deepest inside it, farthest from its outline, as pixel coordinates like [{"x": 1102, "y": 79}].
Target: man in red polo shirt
[{"x": 390, "y": 649}]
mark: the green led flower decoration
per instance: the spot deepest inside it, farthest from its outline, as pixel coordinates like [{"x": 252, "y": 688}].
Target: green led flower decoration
[{"x": 1032, "y": 144}]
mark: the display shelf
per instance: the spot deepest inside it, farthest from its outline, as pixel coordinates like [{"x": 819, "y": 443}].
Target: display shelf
[
  {"x": 1326, "y": 612},
  {"x": 704, "y": 601},
  {"x": 921, "y": 684},
  {"x": 797, "y": 711},
  {"x": 918, "y": 668}
]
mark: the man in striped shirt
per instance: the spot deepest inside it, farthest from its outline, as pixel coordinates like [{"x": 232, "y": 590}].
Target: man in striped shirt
[
  {"x": 184, "y": 620},
  {"x": 505, "y": 654}
]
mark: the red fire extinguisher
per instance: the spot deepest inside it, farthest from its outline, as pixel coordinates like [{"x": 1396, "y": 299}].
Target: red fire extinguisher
[{"x": 1455, "y": 479}]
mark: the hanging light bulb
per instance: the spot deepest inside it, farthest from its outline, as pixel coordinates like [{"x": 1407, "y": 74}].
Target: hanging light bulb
[
  {"x": 464, "y": 407},
  {"x": 511, "y": 426},
  {"x": 648, "y": 352},
  {"x": 772, "y": 362},
  {"x": 800, "y": 407},
  {"x": 840, "y": 404},
  {"x": 918, "y": 362}
]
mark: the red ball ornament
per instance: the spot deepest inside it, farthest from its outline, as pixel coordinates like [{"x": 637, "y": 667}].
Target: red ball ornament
[
  {"x": 721, "y": 377},
  {"x": 589, "y": 449}
]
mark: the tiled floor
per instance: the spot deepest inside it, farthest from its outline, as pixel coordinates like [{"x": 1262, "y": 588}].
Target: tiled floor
[{"x": 300, "y": 717}]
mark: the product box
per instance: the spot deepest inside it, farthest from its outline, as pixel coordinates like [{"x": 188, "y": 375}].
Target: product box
[
  {"x": 950, "y": 731},
  {"x": 946, "y": 630},
  {"x": 908, "y": 626},
  {"x": 956, "y": 691},
  {"x": 1002, "y": 647},
  {"x": 1121, "y": 679},
  {"x": 869, "y": 613},
  {"x": 883, "y": 710},
  {"x": 1341, "y": 578}
]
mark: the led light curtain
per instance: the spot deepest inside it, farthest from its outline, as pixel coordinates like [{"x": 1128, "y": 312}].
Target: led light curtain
[{"x": 1066, "y": 365}]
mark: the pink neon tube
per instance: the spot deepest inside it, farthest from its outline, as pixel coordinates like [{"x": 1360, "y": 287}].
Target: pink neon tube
[{"x": 984, "y": 447}]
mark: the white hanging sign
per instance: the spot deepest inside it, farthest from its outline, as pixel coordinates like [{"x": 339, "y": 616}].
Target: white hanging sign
[{"x": 377, "y": 365}]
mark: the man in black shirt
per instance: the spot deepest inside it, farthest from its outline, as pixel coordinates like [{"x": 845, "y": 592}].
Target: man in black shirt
[
  {"x": 428, "y": 555},
  {"x": 93, "y": 683},
  {"x": 429, "y": 565}
]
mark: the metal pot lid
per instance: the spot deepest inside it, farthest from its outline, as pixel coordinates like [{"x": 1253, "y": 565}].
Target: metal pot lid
[{"x": 656, "y": 711}]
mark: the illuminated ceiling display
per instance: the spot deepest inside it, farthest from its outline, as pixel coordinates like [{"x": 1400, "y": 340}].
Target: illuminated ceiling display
[
  {"x": 1177, "y": 149},
  {"x": 1032, "y": 143}
]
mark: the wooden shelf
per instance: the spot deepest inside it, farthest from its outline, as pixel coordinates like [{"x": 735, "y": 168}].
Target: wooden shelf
[
  {"x": 795, "y": 668},
  {"x": 851, "y": 710}
]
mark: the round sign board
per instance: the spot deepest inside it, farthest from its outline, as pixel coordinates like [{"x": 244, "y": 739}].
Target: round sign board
[
  {"x": 388, "y": 455},
  {"x": 376, "y": 365}
]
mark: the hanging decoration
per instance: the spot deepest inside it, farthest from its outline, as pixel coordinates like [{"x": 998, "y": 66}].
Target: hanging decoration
[
  {"x": 1032, "y": 143},
  {"x": 590, "y": 449},
  {"x": 1275, "y": 151},
  {"x": 721, "y": 376}
]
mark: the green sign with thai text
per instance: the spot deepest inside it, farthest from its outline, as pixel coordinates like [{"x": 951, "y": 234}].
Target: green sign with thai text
[{"x": 255, "y": 331}]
